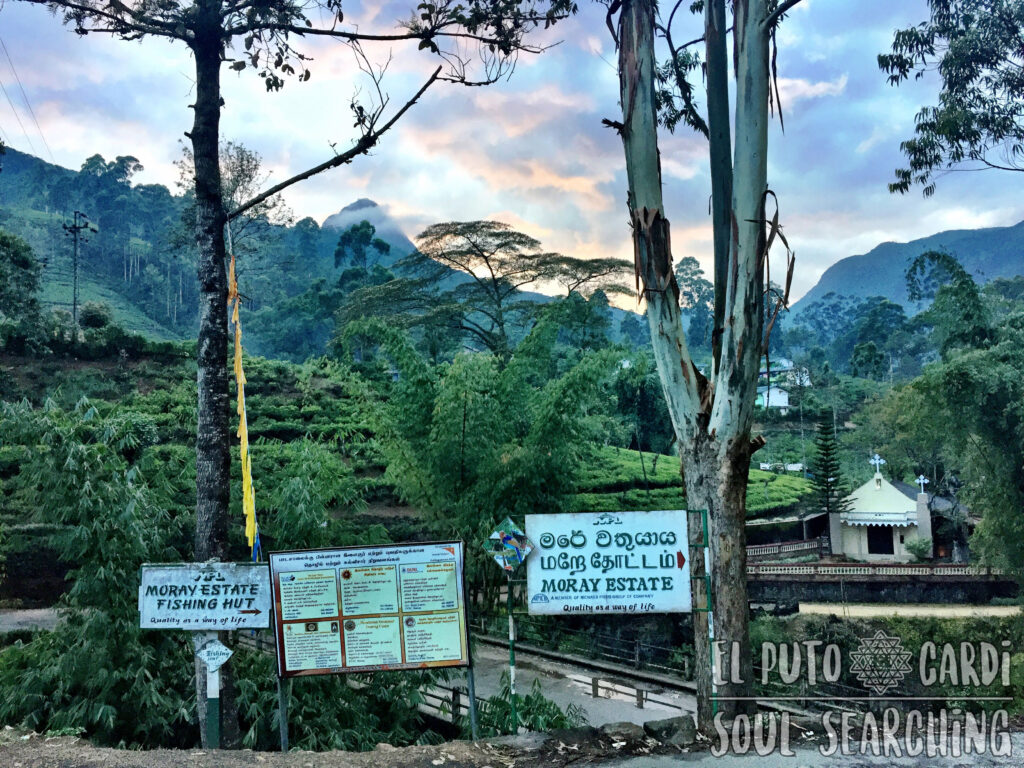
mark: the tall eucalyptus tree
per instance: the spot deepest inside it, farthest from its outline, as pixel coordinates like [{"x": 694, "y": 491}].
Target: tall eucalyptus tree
[{"x": 712, "y": 411}]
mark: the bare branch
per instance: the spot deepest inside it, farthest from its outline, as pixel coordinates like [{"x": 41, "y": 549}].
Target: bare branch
[
  {"x": 361, "y": 147},
  {"x": 773, "y": 17}
]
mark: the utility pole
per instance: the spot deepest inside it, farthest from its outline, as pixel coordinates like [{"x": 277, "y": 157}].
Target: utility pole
[{"x": 81, "y": 224}]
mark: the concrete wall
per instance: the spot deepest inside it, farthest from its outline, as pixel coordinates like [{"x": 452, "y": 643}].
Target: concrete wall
[{"x": 794, "y": 589}]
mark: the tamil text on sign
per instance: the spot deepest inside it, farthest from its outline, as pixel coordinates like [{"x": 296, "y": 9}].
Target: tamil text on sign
[
  {"x": 202, "y": 596},
  {"x": 358, "y": 609},
  {"x": 620, "y": 562}
]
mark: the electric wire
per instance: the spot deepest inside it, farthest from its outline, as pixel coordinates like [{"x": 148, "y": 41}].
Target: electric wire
[
  {"x": 16, "y": 117},
  {"x": 28, "y": 103}
]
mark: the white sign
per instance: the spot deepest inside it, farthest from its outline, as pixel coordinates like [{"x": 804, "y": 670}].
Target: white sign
[
  {"x": 360, "y": 609},
  {"x": 201, "y": 596},
  {"x": 214, "y": 654},
  {"x": 621, "y": 562}
]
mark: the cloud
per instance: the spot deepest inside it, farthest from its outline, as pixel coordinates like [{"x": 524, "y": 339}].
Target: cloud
[{"x": 793, "y": 90}]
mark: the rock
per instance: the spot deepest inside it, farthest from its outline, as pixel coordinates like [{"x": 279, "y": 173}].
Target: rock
[
  {"x": 674, "y": 731},
  {"x": 623, "y": 731},
  {"x": 581, "y": 735},
  {"x": 384, "y": 747}
]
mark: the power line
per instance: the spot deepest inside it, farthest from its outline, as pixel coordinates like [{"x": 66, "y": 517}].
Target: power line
[
  {"x": 16, "y": 117},
  {"x": 27, "y": 102}
]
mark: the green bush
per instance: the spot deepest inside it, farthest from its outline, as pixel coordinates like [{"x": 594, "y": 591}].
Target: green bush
[{"x": 534, "y": 712}]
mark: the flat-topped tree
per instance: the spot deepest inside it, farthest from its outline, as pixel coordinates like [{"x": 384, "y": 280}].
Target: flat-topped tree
[{"x": 243, "y": 34}]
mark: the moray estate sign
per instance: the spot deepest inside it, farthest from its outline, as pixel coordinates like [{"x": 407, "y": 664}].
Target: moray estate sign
[{"x": 621, "y": 562}]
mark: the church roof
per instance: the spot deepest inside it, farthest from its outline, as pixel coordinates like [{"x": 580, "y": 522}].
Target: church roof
[{"x": 879, "y": 502}]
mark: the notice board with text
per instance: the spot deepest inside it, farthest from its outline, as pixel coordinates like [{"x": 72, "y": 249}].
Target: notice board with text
[{"x": 363, "y": 609}]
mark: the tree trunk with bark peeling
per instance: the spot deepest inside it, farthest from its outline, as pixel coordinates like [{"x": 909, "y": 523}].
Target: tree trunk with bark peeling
[{"x": 712, "y": 416}]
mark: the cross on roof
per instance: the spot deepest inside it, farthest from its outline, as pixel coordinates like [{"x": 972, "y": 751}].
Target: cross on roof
[
  {"x": 878, "y": 461},
  {"x": 922, "y": 481}
]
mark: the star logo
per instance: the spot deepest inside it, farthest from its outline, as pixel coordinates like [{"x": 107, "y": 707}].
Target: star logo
[{"x": 880, "y": 662}]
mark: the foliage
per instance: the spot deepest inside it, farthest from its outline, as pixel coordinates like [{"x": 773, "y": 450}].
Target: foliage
[
  {"x": 112, "y": 521},
  {"x": 534, "y": 712},
  {"x": 471, "y": 442},
  {"x": 95, "y": 315},
  {"x": 919, "y": 547},
  {"x": 957, "y": 315},
  {"x": 696, "y": 298},
  {"x": 466, "y": 277},
  {"x": 355, "y": 244},
  {"x": 326, "y": 713},
  {"x": 979, "y": 119},
  {"x": 979, "y": 394},
  {"x": 20, "y": 320}
]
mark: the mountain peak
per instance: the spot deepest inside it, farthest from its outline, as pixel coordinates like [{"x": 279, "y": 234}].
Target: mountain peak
[{"x": 358, "y": 205}]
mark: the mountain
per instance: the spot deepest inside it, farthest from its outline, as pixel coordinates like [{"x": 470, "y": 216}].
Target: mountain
[
  {"x": 387, "y": 228},
  {"x": 986, "y": 253}
]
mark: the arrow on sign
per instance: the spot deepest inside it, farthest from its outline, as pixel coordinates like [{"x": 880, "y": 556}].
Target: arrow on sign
[
  {"x": 680, "y": 560},
  {"x": 251, "y": 610}
]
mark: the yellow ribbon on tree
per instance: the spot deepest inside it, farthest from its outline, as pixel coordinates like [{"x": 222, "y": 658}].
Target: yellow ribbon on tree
[{"x": 248, "y": 495}]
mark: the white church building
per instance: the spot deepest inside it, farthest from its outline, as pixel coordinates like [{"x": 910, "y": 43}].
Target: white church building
[{"x": 880, "y": 521}]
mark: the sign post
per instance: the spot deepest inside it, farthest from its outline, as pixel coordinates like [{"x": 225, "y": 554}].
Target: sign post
[
  {"x": 213, "y": 654},
  {"x": 206, "y": 598},
  {"x": 509, "y": 547}
]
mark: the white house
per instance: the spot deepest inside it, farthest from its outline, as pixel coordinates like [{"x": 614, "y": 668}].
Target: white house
[
  {"x": 880, "y": 522},
  {"x": 773, "y": 396}
]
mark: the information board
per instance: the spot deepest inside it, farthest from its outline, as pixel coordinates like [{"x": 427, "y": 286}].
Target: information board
[
  {"x": 200, "y": 596},
  {"x": 609, "y": 562},
  {"x": 361, "y": 609}
]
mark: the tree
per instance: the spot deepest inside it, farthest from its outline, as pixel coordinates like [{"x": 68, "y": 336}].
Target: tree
[
  {"x": 696, "y": 297},
  {"x": 591, "y": 275},
  {"x": 633, "y": 331},
  {"x": 266, "y": 31},
  {"x": 979, "y": 119},
  {"x": 830, "y": 487},
  {"x": 957, "y": 314},
  {"x": 711, "y": 414},
  {"x": 355, "y": 244},
  {"x": 19, "y": 293},
  {"x": 867, "y": 361},
  {"x": 467, "y": 276}
]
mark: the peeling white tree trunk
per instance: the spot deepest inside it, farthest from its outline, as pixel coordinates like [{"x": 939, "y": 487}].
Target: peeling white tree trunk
[{"x": 712, "y": 419}]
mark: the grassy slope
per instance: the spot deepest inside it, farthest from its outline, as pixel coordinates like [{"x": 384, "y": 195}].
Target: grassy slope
[
  {"x": 286, "y": 402},
  {"x": 614, "y": 480},
  {"x": 56, "y": 294}
]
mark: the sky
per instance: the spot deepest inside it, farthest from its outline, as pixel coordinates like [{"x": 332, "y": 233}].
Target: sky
[{"x": 530, "y": 151}]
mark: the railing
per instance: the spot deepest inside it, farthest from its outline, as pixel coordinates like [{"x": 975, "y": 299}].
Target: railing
[
  {"x": 784, "y": 548},
  {"x": 881, "y": 570}
]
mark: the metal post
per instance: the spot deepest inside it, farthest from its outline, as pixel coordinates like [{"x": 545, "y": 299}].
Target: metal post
[
  {"x": 512, "y": 659},
  {"x": 711, "y": 613},
  {"x": 470, "y": 680},
  {"x": 474, "y": 728},
  {"x": 283, "y": 689},
  {"x": 213, "y": 708}
]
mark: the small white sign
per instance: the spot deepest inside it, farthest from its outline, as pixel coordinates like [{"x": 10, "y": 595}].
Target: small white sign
[
  {"x": 610, "y": 562},
  {"x": 198, "y": 596},
  {"x": 214, "y": 654}
]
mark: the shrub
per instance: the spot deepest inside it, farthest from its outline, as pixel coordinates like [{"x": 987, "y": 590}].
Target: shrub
[{"x": 94, "y": 314}]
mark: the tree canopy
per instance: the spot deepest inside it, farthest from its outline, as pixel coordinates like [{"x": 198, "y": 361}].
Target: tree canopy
[{"x": 975, "y": 46}]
